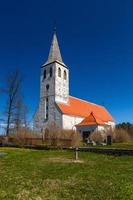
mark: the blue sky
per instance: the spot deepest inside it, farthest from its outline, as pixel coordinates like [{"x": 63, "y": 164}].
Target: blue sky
[{"x": 96, "y": 42}]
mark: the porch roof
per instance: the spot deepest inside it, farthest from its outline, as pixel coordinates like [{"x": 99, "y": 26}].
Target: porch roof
[{"x": 92, "y": 119}]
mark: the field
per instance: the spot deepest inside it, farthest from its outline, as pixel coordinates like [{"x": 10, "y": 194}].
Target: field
[
  {"x": 128, "y": 145},
  {"x": 53, "y": 175}
]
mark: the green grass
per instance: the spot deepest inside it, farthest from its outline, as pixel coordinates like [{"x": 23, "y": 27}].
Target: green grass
[
  {"x": 128, "y": 145},
  {"x": 52, "y": 175}
]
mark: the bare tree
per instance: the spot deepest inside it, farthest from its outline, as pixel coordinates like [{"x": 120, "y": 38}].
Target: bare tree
[
  {"x": 25, "y": 116},
  {"x": 20, "y": 115},
  {"x": 13, "y": 90}
]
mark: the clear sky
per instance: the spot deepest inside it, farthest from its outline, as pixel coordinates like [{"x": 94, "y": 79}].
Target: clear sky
[{"x": 96, "y": 42}]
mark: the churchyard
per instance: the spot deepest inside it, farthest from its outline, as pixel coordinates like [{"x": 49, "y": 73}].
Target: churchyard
[{"x": 54, "y": 175}]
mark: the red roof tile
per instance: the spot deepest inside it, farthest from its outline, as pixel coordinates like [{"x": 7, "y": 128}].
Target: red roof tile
[
  {"x": 91, "y": 120},
  {"x": 81, "y": 108}
]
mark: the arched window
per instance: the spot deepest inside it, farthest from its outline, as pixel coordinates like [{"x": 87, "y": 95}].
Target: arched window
[
  {"x": 65, "y": 75},
  {"x": 47, "y": 87},
  {"x": 59, "y": 72},
  {"x": 51, "y": 71},
  {"x": 44, "y": 74}
]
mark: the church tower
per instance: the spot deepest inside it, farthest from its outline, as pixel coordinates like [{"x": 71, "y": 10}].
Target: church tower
[
  {"x": 54, "y": 86},
  {"x": 55, "y": 75}
]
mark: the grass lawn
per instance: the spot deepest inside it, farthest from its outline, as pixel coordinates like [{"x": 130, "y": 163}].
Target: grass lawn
[
  {"x": 128, "y": 145},
  {"x": 53, "y": 175}
]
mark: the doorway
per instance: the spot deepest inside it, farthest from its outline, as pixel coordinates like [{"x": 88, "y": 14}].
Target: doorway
[{"x": 86, "y": 135}]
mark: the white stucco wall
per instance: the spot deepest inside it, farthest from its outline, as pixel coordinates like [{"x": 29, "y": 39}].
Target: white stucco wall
[
  {"x": 68, "y": 122},
  {"x": 96, "y": 128},
  {"x": 101, "y": 128},
  {"x": 111, "y": 124}
]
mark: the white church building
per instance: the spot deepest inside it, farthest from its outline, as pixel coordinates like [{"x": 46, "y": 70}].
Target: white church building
[{"x": 58, "y": 107}]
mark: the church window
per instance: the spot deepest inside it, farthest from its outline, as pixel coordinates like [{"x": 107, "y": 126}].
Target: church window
[
  {"x": 65, "y": 75},
  {"x": 59, "y": 72},
  {"x": 47, "y": 108},
  {"x": 44, "y": 74},
  {"x": 51, "y": 71},
  {"x": 47, "y": 87}
]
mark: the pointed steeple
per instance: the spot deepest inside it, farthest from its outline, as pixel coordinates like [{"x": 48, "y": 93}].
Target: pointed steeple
[{"x": 54, "y": 53}]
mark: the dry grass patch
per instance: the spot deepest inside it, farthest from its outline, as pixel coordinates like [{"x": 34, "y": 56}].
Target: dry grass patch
[
  {"x": 121, "y": 135},
  {"x": 61, "y": 159},
  {"x": 52, "y": 184}
]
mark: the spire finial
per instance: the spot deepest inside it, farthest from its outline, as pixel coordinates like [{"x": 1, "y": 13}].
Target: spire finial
[{"x": 55, "y": 29}]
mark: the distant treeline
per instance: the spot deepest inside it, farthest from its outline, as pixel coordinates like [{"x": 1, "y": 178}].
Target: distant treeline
[{"x": 126, "y": 126}]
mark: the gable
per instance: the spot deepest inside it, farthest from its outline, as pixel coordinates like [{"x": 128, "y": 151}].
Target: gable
[{"x": 91, "y": 120}]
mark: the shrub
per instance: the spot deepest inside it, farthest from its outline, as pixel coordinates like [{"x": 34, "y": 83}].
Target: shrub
[
  {"x": 121, "y": 135},
  {"x": 73, "y": 137},
  {"x": 1, "y": 140},
  {"x": 54, "y": 136},
  {"x": 24, "y": 137},
  {"x": 97, "y": 137}
]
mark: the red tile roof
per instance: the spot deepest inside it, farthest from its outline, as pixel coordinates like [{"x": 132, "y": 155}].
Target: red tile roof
[
  {"x": 91, "y": 120},
  {"x": 81, "y": 108}
]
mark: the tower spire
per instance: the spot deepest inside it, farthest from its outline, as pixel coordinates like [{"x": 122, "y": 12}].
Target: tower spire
[{"x": 54, "y": 53}]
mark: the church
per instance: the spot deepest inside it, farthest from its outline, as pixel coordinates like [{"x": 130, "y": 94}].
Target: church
[{"x": 58, "y": 107}]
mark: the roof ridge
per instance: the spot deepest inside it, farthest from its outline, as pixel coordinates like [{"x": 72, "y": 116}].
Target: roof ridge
[{"x": 93, "y": 117}]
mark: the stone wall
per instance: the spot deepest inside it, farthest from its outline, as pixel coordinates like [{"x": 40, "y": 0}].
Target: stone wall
[{"x": 61, "y": 85}]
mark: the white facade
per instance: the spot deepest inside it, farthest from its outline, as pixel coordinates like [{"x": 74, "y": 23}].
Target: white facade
[{"x": 69, "y": 122}]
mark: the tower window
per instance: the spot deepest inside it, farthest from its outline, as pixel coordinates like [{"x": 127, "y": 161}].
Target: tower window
[
  {"x": 47, "y": 87},
  {"x": 65, "y": 75},
  {"x": 51, "y": 71},
  {"x": 59, "y": 72},
  {"x": 46, "y": 115},
  {"x": 47, "y": 108},
  {"x": 44, "y": 74}
]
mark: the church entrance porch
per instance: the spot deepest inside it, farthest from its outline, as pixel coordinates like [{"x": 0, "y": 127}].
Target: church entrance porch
[{"x": 86, "y": 131}]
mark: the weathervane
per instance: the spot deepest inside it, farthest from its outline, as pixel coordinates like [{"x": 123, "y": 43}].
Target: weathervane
[{"x": 55, "y": 27}]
